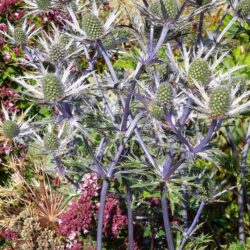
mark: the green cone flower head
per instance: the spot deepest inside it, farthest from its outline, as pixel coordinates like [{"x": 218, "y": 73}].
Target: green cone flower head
[
  {"x": 156, "y": 110},
  {"x": 170, "y": 6},
  {"x": 52, "y": 88},
  {"x": 199, "y": 71},
  {"x": 10, "y": 129},
  {"x": 43, "y": 4},
  {"x": 51, "y": 142},
  {"x": 219, "y": 101},
  {"x": 162, "y": 68},
  {"x": 165, "y": 95},
  {"x": 57, "y": 52},
  {"x": 19, "y": 36},
  {"x": 243, "y": 8},
  {"x": 92, "y": 26}
]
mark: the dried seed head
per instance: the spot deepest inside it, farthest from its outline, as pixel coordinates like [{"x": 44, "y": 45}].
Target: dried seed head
[
  {"x": 165, "y": 95},
  {"x": 243, "y": 9},
  {"x": 219, "y": 101},
  {"x": 170, "y": 6},
  {"x": 57, "y": 52},
  {"x": 92, "y": 26},
  {"x": 199, "y": 71},
  {"x": 10, "y": 129},
  {"x": 52, "y": 88},
  {"x": 156, "y": 110},
  {"x": 51, "y": 142},
  {"x": 43, "y": 4},
  {"x": 19, "y": 36}
]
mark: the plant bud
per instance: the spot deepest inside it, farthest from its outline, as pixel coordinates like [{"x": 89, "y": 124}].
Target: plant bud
[
  {"x": 199, "y": 71},
  {"x": 243, "y": 9},
  {"x": 43, "y": 4},
  {"x": 219, "y": 101},
  {"x": 10, "y": 129},
  {"x": 51, "y": 142},
  {"x": 52, "y": 88},
  {"x": 156, "y": 110},
  {"x": 92, "y": 26},
  {"x": 19, "y": 36},
  {"x": 165, "y": 94},
  {"x": 57, "y": 52}
]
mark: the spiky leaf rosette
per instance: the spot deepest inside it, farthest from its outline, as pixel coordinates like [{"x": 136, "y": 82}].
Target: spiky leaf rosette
[
  {"x": 243, "y": 9},
  {"x": 165, "y": 95},
  {"x": 52, "y": 88},
  {"x": 170, "y": 7},
  {"x": 43, "y": 4},
  {"x": 19, "y": 36},
  {"x": 57, "y": 52},
  {"x": 51, "y": 142},
  {"x": 10, "y": 129},
  {"x": 219, "y": 101},
  {"x": 199, "y": 71},
  {"x": 156, "y": 110},
  {"x": 92, "y": 26}
]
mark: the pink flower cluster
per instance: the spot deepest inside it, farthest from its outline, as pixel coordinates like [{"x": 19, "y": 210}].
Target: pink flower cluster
[
  {"x": 7, "y": 98},
  {"x": 8, "y": 234},
  {"x": 5, "y": 4}
]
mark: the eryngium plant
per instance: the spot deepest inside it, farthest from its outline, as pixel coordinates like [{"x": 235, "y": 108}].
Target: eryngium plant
[{"x": 151, "y": 112}]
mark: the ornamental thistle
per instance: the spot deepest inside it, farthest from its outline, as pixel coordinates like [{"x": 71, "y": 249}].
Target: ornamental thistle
[
  {"x": 52, "y": 88},
  {"x": 156, "y": 110},
  {"x": 170, "y": 7},
  {"x": 243, "y": 9},
  {"x": 92, "y": 26},
  {"x": 165, "y": 95},
  {"x": 57, "y": 52},
  {"x": 43, "y": 4},
  {"x": 19, "y": 36},
  {"x": 51, "y": 142},
  {"x": 162, "y": 69},
  {"x": 199, "y": 71},
  {"x": 219, "y": 101},
  {"x": 10, "y": 129}
]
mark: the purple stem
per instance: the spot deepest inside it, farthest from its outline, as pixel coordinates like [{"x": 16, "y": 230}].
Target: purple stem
[
  {"x": 207, "y": 138},
  {"x": 186, "y": 113},
  {"x": 193, "y": 225},
  {"x": 167, "y": 166}
]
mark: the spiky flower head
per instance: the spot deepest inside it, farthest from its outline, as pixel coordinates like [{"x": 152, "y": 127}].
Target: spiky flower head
[
  {"x": 162, "y": 70},
  {"x": 219, "y": 101},
  {"x": 170, "y": 7},
  {"x": 52, "y": 88},
  {"x": 51, "y": 142},
  {"x": 92, "y": 26},
  {"x": 165, "y": 95},
  {"x": 10, "y": 129},
  {"x": 243, "y": 9},
  {"x": 57, "y": 52},
  {"x": 199, "y": 71},
  {"x": 156, "y": 110},
  {"x": 19, "y": 36},
  {"x": 43, "y": 4}
]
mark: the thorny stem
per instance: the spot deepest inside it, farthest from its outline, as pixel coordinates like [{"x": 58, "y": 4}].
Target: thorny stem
[
  {"x": 130, "y": 219},
  {"x": 165, "y": 214},
  {"x": 193, "y": 225},
  {"x": 242, "y": 187}
]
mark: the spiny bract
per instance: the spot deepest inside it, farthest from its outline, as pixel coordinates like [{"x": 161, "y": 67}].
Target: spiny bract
[
  {"x": 165, "y": 95},
  {"x": 43, "y": 4},
  {"x": 52, "y": 88},
  {"x": 170, "y": 7},
  {"x": 219, "y": 101},
  {"x": 243, "y": 9},
  {"x": 10, "y": 129},
  {"x": 19, "y": 36},
  {"x": 199, "y": 71},
  {"x": 156, "y": 110},
  {"x": 51, "y": 142},
  {"x": 92, "y": 26},
  {"x": 57, "y": 52}
]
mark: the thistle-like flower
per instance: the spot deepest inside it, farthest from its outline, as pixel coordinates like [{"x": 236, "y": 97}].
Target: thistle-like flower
[
  {"x": 36, "y": 7},
  {"x": 165, "y": 95},
  {"x": 243, "y": 9},
  {"x": 92, "y": 27},
  {"x": 156, "y": 110},
  {"x": 53, "y": 87},
  {"x": 13, "y": 128},
  {"x": 20, "y": 35}
]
